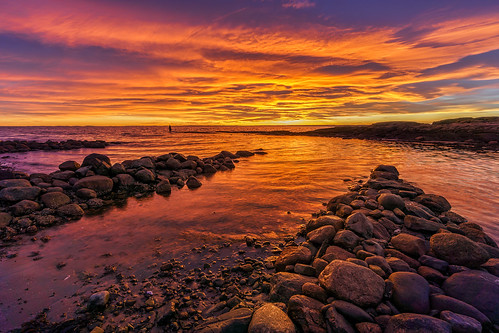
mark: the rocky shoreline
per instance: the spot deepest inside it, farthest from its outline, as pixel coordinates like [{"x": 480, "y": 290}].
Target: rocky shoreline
[
  {"x": 21, "y": 146},
  {"x": 384, "y": 257},
  {"x": 29, "y": 202}
]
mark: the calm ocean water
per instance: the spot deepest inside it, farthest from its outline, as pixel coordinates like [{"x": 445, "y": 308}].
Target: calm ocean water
[{"x": 297, "y": 175}]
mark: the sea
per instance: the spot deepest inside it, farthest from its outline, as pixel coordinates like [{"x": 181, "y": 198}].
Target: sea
[{"x": 267, "y": 196}]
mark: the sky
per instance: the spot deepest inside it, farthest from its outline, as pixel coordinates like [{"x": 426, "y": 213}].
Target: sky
[{"x": 253, "y": 62}]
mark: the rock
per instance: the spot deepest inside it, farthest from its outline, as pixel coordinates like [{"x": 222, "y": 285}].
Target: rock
[
  {"x": 319, "y": 264},
  {"x": 366, "y": 289},
  {"x": 411, "y": 322},
  {"x": 18, "y": 193},
  {"x": 398, "y": 265},
  {"x": 143, "y": 162},
  {"x": 71, "y": 211},
  {"x": 492, "y": 266},
  {"x": 337, "y": 253},
  {"x": 172, "y": 164},
  {"x": 477, "y": 288},
  {"x": 411, "y": 292},
  {"x": 421, "y": 224},
  {"x": 380, "y": 232},
  {"x": 380, "y": 262},
  {"x": 416, "y": 209},
  {"x": 305, "y": 312},
  {"x": 358, "y": 223},
  {"x": 336, "y": 322},
  {"x": 244, "y": 153},
  {"x": 55, "y": 199},
  {"x": 387, "y": 168},
  {"x": 285, "y": 285},
  {"x": 322, "y": 221},
  {"x": 373, "y": 247},
  {"x": 436, "y": 203},
  {"x": 368, "y": 328},
  {"x": 302, "y": 269},
  {"x": 5, "y": 219},
  {"x": 325, "y": 233},
  {"x": 95, "y": 159},
  {"x": 458, "y": 250},
  {"x": 409, "y": 244},
  {"x": 341, "y": 199},
  {"x": 145, "y": 176},
  {"x": 24, "y": 207},
  {"x": 461, "y": 323},
  {"x": 435, "y": 263},
  {"x": 431, "y": 274},
  {"x": 208, "y": 168},
  {"x": 69, "y": 166},
  {"x": 391, "y": 201},
  {"x": 443, "y": 302},
  {"x": 492, "y": 251},
  {"x": 125, "y": 181},
  {"x": 270, "y": 319},
  {"x": 14, "y": 183},
  {"x": 189, "y": 164},
  {"x": 117, "y": 169},
  {"x": 98, "y": 300},
  {"x": 193, "y": 182},
  {"x": 164, "y": 187},
  {"x": 352, "y": 311},
  {"x": 292, "y": 255},
  {"x": 454, "y": 217},
  {"x": 397, "y": 254},
  {"x": 100, "y": 184},
  {"x": 86, "y": 193},
  {"x": 346, "y": 239},
  {"x": 234, "y": 321},
  {"x": 343, "y": 210},
  {"x": 315, "y": 291}
]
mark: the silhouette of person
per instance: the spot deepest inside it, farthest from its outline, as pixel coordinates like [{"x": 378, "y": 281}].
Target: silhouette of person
[{"x": 170, "y": 128}]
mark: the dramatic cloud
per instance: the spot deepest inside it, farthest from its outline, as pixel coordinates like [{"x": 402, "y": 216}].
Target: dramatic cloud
[{"x": 246, "y": 62}]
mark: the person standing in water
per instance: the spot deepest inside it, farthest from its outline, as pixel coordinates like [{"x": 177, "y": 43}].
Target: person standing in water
[{"x": 170, "y": 128}]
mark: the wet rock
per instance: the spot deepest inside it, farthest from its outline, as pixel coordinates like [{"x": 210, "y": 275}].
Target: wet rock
[
  {"x": 454, "y": 217},
  {"x": 24, "y": 207},
  {"x": 477, "y": 288},
  {"x": 368, "y": 328},
  {"x": 95, "y": 203},
  {"x": 380, "y": 262},
  {"x": 409, "y": 244},
  {"x": 209, "y": 169},
  {"x": 416, "y": 209},
  {"x": 319, "y": 265},
  {"x": 411, "y": 292},
  {"x": 14, "y": 183},
  {"x": 337, "y": 253},
  {"x": 391, "y": 201},
  {"x": 86, "y": 193},
  {"x": 285, "y": 285},
  {"x": 411, "y": 322},
  {"x": 366, "y": 289},
  {"x": 98, "y": 300},
  {"x": 95, "y": 159},
  {"x": 292, "y": 255},
  {"x": 431, "y": 274},
  {"x": 55, "y": 199},
  {"x": 325, "y": 233},
  {"x": 492, "y": 266},
  {"x": 444, "y": 302},
  {"x": 164, "y": 187},
  {"x": 435, "y": 263},
  {"x": 63, "y": 175},
  {"x": 305, "y": 312},
  {"x": 117, "y": 169},
  {"x": 341, "y": 199},
  {"x": 193, "y": 182},
  {"x": 71, "y": 211},
  {"x": 236, "y": 321},
  {"x": 346, "y": 239},
  {"x": 421, "y": 224},
  {"x": 145, "y": 176},
  {"x": 125, "y": 181},
  {"x": 18, "y": 193},
  {"x": 359, "y": 223},
  {"x": 387, "y": 168},
  {"x": 373, "y": 247},
  {"x": 398, "y": 265},
  {"x": 270, "y": 319},
  {"x": 352, "y": 312},
  {"x": 461, "y": 323},
  {"x": 173, "y": 164},
  {"x": 322, "y": 221},
  {"x": 436, "y": 203},
  {"x": 315, "y": 291},
  {"x": 100, "y": 184},
  {"x": 413, "y": 263},
  {"x": 336, "y": 322},
  {"x": 5, "y": 219},
  {"x": 458, "y": 250}
]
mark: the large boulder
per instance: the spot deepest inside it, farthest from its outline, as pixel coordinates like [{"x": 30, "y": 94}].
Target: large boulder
[
  {"x": 420, "y": 224},
  {"x": 145, "y": 176},
  {"x": 285, "y": 285},
  {"x": 416, "y": 209},
  {"x": 365, "y": 289},
  {"x": 164, "y": 187},
  {"x": 477, "y": 288},
  {"x": 458, "y": 250},
  {"x": 461, "y": 323},
  {"x": 411, "y": 292},
  {"x": 360, "y": 224},
  {"x": 306, "y": 313},
  {"x": 444, "y": 302},
  {"x": 409, "y": 244},
  {"x": 293, "y": 255},
  {"x": 24, "y": 207},
  {"x": 14, "y": 183},
  {"x": 100, "y": 184},
  {"x": 270, "y": 319},
  {"x": 325, "y": 233},
  {"x": 436, "y": 203},
  {"x": 94, "y": 159},
  {"x": 55, "y": 199},
  {"x": 72, "y": 211},
  {"x": 411, "y": 322},
  {"x": 69, "y": 166},
  {"x": 18, "y": 193},
  {"x": 391, "y": 201}
]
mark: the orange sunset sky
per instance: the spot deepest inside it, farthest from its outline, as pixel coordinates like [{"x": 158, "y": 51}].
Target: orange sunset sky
[{"x": 264, "y": 62}]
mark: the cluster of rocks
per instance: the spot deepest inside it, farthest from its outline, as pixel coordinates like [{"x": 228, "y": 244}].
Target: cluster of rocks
[
  {"x": 30, "y": 202},
  {"x": 19, "y": 146}
]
